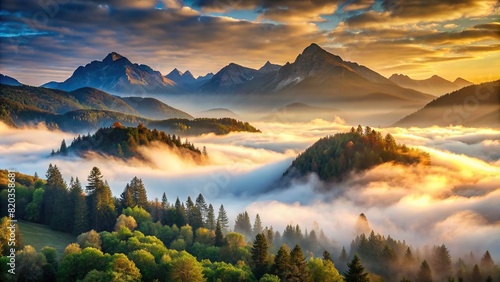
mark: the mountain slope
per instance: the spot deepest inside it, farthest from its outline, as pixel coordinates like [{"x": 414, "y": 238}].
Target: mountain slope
[
  {"x": 228, "y": 78},
  {"x": 435, "y": 85},
  {"x": 116, "y": 74},
  {"x": 7, "y": 80},
  {"x": 60, "y": 102},
  {"x": 476, "y": 105},
  {"x": 154, "y": 109}
]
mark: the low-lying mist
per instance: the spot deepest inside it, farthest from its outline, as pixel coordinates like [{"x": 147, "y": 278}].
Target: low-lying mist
[{"x": 453, "y": 201}]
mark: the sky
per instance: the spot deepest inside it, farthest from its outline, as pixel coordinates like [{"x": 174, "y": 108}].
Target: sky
[{"x": 45, "y": 41}]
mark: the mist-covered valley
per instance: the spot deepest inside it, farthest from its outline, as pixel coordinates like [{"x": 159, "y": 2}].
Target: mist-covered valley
[{"x": 453, "y": 201}]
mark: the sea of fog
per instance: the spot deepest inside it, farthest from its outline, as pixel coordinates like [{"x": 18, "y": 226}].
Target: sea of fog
[{"x": 454, "y": 201}]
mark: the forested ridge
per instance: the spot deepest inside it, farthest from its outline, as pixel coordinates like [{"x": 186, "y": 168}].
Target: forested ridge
[
  {"x": 123, "y": 142},
  {"x": 87, "y": 109},
  {"x": 333, "y": 157},
  {"x": 133, "y": 238}
]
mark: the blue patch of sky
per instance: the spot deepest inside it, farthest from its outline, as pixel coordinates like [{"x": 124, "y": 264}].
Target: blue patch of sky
[
  {"x": 16, "y": 29},
  {"x": 246, "y": 15}
]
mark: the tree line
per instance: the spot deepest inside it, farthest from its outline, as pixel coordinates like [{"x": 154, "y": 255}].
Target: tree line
[{"x": 131, "y": 238}]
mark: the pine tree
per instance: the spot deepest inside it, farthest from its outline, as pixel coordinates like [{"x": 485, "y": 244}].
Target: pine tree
[
  {"x": 219, "y": 237},
  {"x": 424, "y": 274},
  {"x": 408, "y": 257},
  {"x": 343, "y": 255},
  {"x": 327, "y": 255},
  {"x": 210, "y": 222},
  {"x": 298, "y": 265},
  {"x": 476, "y": 275},
  {"x": 100, "y": 202},
  {"x": 164, "y": 201},
  {"x": 281, "y": 266},
  {"x": 259, "y": 256},
  {"x": 80, "y": 211},
  {"x": 487, "y": 263},
  {"x": 138, "y": 192},
  {"x": 195, "y": 219},
  {"x": 242, "y": 224},
  {"x": 201, "y": 204},
  {"x": 257, "y": 225},
  {"x": 441, "y": 263},
  {"x": 222, "y": 218},
  {"x": 180, "y": 213},
  {"x": 356, "y": 271},
  {"x": 126, "y": 199},
  {"x": 63, "y": 149},
  {"x": 57, "y": 212}
]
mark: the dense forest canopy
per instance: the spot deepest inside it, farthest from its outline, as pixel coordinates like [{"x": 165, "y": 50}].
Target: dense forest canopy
[
  {"x": 123, "y": 142},
  {"x": 333, "y": 157},
  {"x": 133, "y": 238}
]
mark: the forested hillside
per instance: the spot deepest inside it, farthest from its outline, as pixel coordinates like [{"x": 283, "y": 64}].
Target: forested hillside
[
  {"x": 333, "y": 157},
  {"x": 123, "y": 142},
  {"x": 133, "y": 238},
  {"x": 88, "y": 109}
]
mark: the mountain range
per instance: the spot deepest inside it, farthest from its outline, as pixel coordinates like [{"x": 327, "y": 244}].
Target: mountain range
[
  {"x": 315, "y": 72},
  {"x": 313, "y": 85},
  {"x": 434, "y": 85}
]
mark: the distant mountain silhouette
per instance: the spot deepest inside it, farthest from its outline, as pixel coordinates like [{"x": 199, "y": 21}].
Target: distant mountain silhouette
[
  {"x": 7, "y": 80},
  {"x": 217, "y": 113},
  {"x": 181, "y": 78},
  {"x": 434, "y": 85},
  {"x": 300, "y": 112},
  {"x": 155, "y": 109},
  {"x": 475, "y": 105}
]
